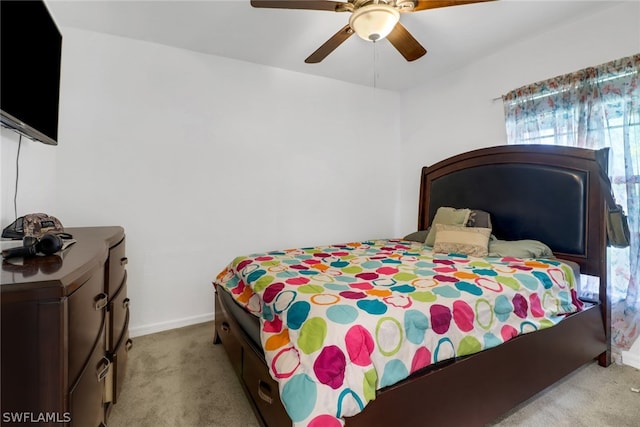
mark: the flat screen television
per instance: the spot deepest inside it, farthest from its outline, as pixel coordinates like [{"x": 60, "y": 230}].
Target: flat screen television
[{"x": 30, "y": 56}]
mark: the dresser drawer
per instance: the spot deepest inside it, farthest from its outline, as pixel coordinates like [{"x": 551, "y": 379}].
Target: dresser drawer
[
  {"x": 263, "y": 390},
  {"x": 119, "y": 368},
  {"x": 118, "y": 317},
  {"x": 115, "y": 268},
  {"x": 85, "y": 399},
  {"x": 118, "y": 343},
  {"x": 87, "y": 308},
  {"x": 225, "y": 332}
]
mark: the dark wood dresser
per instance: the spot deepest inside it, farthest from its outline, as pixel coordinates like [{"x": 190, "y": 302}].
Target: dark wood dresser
[{"x": 64, "y": 332}]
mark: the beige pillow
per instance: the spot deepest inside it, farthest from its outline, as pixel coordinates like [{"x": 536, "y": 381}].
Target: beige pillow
[
  {"x": 448, "y": 216},
  {"x": 472, "y": 241}
]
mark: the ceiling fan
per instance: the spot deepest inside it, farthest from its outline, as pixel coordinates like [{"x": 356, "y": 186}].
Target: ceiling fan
[{"x": 371, "y": 19}]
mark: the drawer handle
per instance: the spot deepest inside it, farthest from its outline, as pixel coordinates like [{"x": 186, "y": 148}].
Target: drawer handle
[
  {"x": 264, "y": 391},
  {"x": 125, "y": 303},
  {"x": 101, "y": 301},
  {"x": 124, "y": 261},
  {"x": 103, "y": 371},
  {"x": 128, "y": 345},
  {"x": 225, "y": 327}
]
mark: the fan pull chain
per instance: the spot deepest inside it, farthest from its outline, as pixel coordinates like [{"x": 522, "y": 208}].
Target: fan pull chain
[{"x": 375, "y": 61}]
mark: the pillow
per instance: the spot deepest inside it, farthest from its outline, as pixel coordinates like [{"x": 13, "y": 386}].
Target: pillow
[
  {"x": 447, "y": 216},
  {"x": 479, "y": 218},
  {"x": 457, "y": 239},
  {"x": 518, "y": 248},
  {"x": 417, "y": 236}
]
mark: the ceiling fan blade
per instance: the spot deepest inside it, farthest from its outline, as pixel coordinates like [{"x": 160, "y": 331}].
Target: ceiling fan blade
[
  {"x": 330, "y": 45},
  {"x": 334, "y": 6},
  {"x": 408, "y": 46},
  {"x": 434, "y": 4}
]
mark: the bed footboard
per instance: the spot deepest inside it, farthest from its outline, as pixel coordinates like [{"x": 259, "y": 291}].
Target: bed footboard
[
  {"x": 477, "y": 389},
  {"x": 470, "y": 391}
]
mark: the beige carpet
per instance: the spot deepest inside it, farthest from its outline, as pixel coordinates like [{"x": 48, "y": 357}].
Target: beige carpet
[{"x": 178, "y": 378}]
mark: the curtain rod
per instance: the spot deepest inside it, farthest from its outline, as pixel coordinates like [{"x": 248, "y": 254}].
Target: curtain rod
[{"x": 597, "y": 80}]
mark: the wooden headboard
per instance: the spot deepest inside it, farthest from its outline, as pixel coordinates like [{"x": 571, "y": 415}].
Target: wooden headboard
[{"x": 548, "y": 193}]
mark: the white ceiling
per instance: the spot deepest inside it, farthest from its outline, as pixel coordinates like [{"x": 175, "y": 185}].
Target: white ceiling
[{"x": 453, "y": 36}]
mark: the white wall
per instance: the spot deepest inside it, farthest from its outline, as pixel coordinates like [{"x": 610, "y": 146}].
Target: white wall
[
  {"x": 36, "y": 177},
  {"x": 203, "y": 158},
  {"x": 456, "y": 113}
]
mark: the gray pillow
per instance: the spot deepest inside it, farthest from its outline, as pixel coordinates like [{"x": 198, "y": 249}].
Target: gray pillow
[
  {"x": 417, "y": 236},
  {"x": 479, "y": 218},
  {"x": 518, "y": 248}
]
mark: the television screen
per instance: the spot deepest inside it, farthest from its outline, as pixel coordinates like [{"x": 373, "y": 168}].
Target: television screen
[{"x": 30, "y": 55}]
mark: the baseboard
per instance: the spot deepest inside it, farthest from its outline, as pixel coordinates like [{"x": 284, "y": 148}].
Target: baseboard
[
  {"x": 170, "y": 324},
  {"x": 632, "y": 357}
]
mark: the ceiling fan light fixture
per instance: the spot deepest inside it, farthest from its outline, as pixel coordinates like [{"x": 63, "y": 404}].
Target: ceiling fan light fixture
[{"x": 374, "y": 22}]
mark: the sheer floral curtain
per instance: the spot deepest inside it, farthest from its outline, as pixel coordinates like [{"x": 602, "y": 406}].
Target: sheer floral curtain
[{"x": 594, "y": 108}]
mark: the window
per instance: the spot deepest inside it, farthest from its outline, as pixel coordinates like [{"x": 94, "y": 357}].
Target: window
[{"x": 595, "y": 108}]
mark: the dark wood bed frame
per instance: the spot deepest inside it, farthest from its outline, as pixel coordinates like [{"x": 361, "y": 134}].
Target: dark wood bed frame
[{"x": 547, "y": 193}]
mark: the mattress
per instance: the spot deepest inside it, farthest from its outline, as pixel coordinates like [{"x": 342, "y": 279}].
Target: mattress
[{"x": 248, "y": 319}]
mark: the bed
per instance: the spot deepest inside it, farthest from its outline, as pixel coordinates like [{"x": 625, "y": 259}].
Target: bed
[{"x": 543, "y": 193}]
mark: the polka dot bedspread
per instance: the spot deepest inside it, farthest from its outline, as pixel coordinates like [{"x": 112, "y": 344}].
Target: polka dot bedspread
[{"x": 342, "y": 321}]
